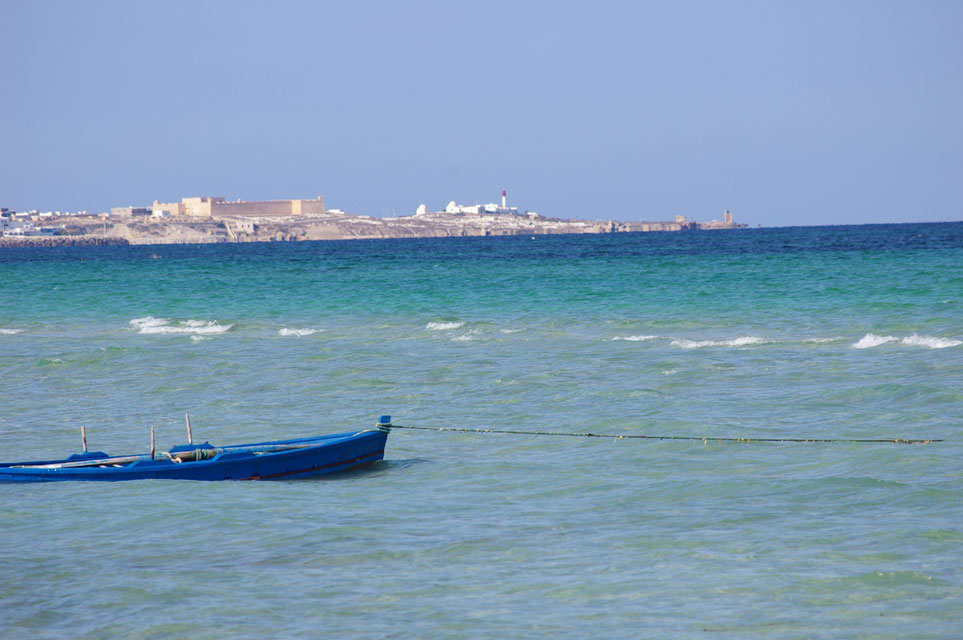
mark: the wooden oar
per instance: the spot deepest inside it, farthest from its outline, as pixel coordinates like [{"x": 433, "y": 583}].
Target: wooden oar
[{"x": 100, "y": 462}]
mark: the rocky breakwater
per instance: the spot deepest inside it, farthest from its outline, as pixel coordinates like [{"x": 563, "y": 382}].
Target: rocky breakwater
[{"x": 60, "y": 241}]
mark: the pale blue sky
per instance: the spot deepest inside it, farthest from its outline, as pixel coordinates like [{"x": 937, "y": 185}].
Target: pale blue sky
[{"x": 784, "y": 112}]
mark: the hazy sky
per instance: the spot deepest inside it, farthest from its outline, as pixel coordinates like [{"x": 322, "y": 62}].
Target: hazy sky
[{"x": 784, "y": 112}]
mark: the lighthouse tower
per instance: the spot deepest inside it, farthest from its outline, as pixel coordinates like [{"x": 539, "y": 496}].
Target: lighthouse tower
[{"x": 504, "y": 200}]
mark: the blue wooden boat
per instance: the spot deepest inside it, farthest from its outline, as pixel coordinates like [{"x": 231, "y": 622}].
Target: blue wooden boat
[{"x": 273, "y": 460}]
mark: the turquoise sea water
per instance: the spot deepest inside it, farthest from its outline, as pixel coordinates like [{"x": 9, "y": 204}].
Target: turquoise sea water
[{"x": 833, "y": 332}]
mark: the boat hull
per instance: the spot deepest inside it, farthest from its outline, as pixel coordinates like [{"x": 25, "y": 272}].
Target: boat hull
[{"x": 307, "y": 457}]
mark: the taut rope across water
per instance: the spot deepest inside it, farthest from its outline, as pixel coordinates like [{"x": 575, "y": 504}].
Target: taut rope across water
[{"x": 692, "y": 438}]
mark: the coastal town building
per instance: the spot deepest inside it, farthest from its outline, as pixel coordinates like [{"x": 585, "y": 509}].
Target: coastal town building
[
  {"x": 491, "y": 208},
  {"x": 212, "y": 207},
  {"x": 245, "y": 226},
  {"x": 130, "y": 211},
  {"x": 27, "y": 229},
  {"x": 20, "y": 225},
  {"x": 726, "y": 223}
]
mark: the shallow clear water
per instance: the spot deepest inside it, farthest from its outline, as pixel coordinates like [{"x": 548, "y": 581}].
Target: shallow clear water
[{"x": 833, "y": 332}]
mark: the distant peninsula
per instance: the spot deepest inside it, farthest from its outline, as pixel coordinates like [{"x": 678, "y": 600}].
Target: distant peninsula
[{"x": 214, "y": 219}]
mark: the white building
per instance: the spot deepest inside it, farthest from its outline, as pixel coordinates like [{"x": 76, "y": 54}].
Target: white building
[
  {"x": 479, "y": 209},
  {"x": 27, "y": 229}
]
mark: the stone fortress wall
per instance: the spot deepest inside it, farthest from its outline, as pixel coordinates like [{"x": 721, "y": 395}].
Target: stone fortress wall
[{"x": 208, "y": 207}]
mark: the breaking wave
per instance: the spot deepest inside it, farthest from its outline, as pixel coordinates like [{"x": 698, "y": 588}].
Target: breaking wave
[
  {"x": 152, "y": 325},
  {"x": 872, "y": 340},
  {"x": 635, "y": 338},
  {"x": 467, "y": 337},
  {"x": 10, "y": 332},
  {"x": 744, "y": 341},
  {"x": 299, "y": 332},
  {"x": 930, "y": 342},
  {"x": 443, "y": 326}
]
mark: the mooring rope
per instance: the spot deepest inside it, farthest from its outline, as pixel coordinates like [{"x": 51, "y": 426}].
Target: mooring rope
[{"x": 704, "y": 439}]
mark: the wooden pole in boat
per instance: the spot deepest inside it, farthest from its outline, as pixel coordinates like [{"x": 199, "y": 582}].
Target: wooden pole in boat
[
  {"x": 83, "y": 437},
  {"x": 190, "y": 436},
  {"x": 152, "y": 442}
]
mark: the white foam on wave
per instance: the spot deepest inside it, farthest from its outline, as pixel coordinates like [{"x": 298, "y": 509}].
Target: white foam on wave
[
  {"x": 743, "y": 341},
  {"x": 10, "y": 332},
  {"x": 148, "y": 321},
  {"x": 443, "y": 326},
  {"x": 930, "y": 342},
  {"x": 466, "y": 337},
  {"x": 871, "y": 340},
  {"x": 299, "y": 332},
  {"x": 152, "y": 325},
  {"x": 635, "y": 338},
  {"x": 510, "y": 330}
]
